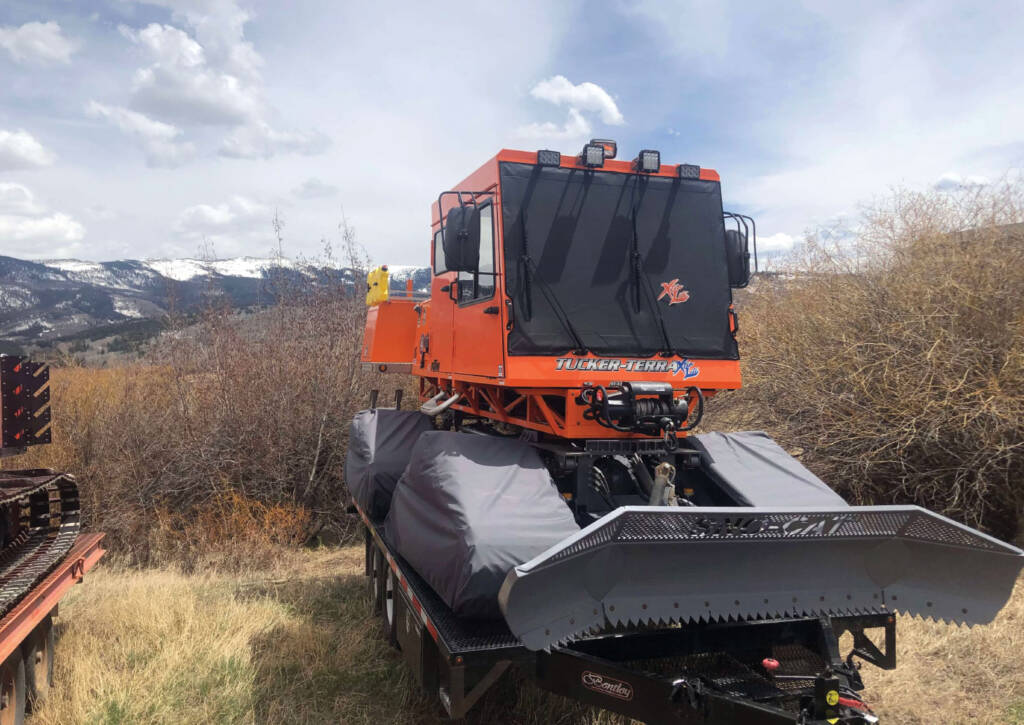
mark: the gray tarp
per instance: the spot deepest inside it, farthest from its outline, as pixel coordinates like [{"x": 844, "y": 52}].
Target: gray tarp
[
  {"x": 379, "y": 445},
  {"x": 468, "y": 509},
  {"x": 752, "y": 467}
]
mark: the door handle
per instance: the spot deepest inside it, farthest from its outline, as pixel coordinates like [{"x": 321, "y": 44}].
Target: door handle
[{"x": 492, "y": 310}]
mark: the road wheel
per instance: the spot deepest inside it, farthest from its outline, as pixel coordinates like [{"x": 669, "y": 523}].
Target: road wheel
[
  {"x": 390, "y": 600},
  {"x": 375, "y": 587},
  {"x": 12, "y": 690},
  {"x": 39, "y": 651}
]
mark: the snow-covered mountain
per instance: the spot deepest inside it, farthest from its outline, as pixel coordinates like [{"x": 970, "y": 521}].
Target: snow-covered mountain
[{"x": 43, "y": 301}]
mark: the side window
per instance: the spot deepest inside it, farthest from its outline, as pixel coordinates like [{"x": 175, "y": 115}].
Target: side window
[
  {"x": 480, "y": 285},
  {"x": 439, "y": 263},
  {"x": 485, "y": 278}
]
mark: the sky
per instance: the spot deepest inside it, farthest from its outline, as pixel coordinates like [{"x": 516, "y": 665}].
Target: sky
[{"x": 180, "y": 128}]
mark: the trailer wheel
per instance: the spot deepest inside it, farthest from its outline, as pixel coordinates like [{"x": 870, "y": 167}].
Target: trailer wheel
[
  {"x": 39, "y": 651},
  {"x": 390, "y": 611},
  {"x": 12, "y": 690},
  {"x": 374, "y": 586}
]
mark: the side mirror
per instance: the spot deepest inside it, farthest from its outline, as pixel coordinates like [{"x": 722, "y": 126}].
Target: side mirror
[
  {"x": 737, "y": 255},
  {"x": 462, "y": 239}
]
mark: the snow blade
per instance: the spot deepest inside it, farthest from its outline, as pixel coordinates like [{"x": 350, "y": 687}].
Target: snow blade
[{"x": 642, "y": 565}]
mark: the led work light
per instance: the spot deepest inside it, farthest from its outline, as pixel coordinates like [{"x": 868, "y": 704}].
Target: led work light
[
  {"x": 549, "y": 158},
  {"x": 648, "y": 161},
  {"x": 689, "y": 171},
  {"x": 592, "y": 155}
]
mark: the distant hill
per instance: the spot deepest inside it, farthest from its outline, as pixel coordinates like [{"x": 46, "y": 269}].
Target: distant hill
[{"x": 42, "y": 302}]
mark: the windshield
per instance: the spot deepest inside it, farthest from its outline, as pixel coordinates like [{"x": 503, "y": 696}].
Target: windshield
[{"x": 571, "y": 238}]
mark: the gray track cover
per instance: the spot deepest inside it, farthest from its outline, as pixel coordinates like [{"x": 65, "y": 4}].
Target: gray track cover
[
  {"x": 468, "y": 509},
  {"x": 754, "y": 468},
  {"x": 379, "y": 445}
]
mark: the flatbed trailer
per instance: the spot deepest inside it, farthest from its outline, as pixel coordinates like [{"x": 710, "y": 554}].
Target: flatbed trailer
[
  {"x": 26, "y": 631},
  {"x": 42, "y": 549},
  {"x": 680, "y": 675}
]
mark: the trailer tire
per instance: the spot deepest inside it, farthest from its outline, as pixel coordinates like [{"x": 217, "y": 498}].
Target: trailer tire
[
  {"x": 39, "y": 651},
  {"x": 374, "y": 585},
  {"x": 12, "y": 690},
  {"x": 390, "y": 597}
]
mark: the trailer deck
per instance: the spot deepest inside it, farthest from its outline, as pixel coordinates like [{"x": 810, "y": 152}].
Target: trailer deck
[{"x": 680, "y": 675}]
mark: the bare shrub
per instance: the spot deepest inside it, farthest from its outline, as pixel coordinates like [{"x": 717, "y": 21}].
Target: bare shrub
[
  {"x": 896, "y": 362},
  {"x": 233, "y": 431}
]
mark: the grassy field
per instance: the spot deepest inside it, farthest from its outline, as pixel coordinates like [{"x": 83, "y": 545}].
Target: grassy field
[{"x": 294, "y": 644}]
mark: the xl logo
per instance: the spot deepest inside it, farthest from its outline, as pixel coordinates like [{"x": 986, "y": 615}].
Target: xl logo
[
  {"x": 686, "y": 367},
  {"x": 675, "y": 292}
]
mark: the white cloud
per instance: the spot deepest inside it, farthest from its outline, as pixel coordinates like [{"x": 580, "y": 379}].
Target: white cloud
[
  {"x": 575, "y": 127},
  {"x": 314, "y": 188},
  {"x": 180, "y": 85},
  {"x": 236, "y": 214},
  {"x": 220, "y": 28},
  {"x": 951, "y": 181},
  {"x": 19, "y": 200},
  {"x": 258, "y": 140},
  {"x": 778, "y": 242},
  {"x": 37, "y": 43},
  {"x": 29, "y": 229},
  {"x": 212, "y": 79},
  {"x": 57, "y": 227},
  {"x": 583, "y": 97},
  {"x": 20, "y": 150},
  {"x": 158, "y": 139}
]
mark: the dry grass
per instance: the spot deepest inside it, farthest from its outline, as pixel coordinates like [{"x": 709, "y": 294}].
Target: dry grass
[
  {"x": 954, "y": 674},
  {"x": 296, "y": 645}
]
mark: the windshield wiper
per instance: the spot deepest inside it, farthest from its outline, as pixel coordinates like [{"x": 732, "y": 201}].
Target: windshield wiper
[
  {"x": 651, "y": 299},
  {"x": 529, "y": 266}
]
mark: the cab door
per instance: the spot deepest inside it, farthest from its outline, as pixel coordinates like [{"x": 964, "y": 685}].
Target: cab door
[{"x": 479, "y": 347}]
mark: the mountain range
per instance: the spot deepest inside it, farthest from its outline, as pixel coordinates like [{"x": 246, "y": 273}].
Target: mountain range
[{"x": 42, "y": 302}]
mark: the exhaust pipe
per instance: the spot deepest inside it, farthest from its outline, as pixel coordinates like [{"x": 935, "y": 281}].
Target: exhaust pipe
[{"x": 432, "y": 407}]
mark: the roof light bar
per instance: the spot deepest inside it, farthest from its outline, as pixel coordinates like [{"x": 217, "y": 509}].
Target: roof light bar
[
  {"x": 648, "y": 161},
  {"x": 610, "y": 147},
  {"x": 593, "y": 155},
  {"x": 549, "y": 158},
  {"x": 689, "y": 171}
]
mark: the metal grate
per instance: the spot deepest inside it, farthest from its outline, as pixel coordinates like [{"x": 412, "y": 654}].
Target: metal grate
[
  {"x": 929, "y": 529},
  {"x": 640, "y": 526}
]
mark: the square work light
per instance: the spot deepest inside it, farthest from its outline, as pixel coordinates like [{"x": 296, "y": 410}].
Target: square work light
[
  {"x": 593, "y": 155},
  {"x": 689, "y": 171},
  {"x": 648, "y": 161},
  {"x": 549, "y": 158}
]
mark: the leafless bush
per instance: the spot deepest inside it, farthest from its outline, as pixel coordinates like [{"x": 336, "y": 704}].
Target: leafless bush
[
  {"x": 896, "y": 362},
  {"x": 234, "y": 429}
]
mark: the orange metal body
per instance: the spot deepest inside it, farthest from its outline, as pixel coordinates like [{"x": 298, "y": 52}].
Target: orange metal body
[
  {"x": 389, "y": 340},
  {"x": 20, "y": 622},
  {"x": 462, "y": 347}
]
